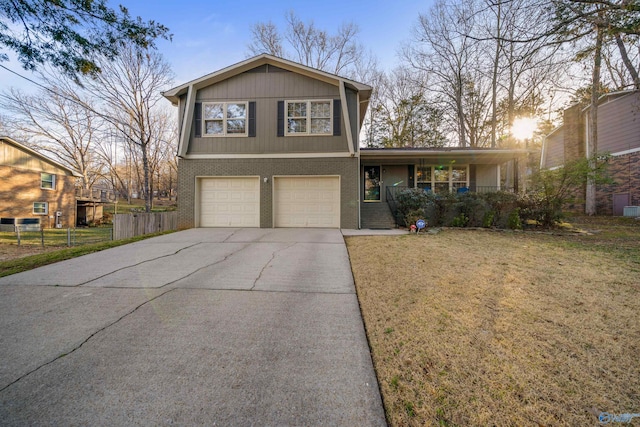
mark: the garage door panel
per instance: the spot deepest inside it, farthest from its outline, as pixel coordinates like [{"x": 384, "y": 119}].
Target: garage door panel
[
  {"x": 307, "y": 202},
  {"x": 230, "y": 202}
]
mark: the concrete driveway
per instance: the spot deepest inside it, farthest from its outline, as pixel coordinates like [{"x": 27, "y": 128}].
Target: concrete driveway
[{"x": 201, "y": 327}]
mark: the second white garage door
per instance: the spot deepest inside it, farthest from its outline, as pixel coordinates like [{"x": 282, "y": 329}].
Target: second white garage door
[
  {"x": 230, "y": 202},
  {"x": 307, "y": 201}
]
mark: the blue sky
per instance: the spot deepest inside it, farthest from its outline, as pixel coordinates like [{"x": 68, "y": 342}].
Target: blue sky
[{"x": 209, "y": 35}]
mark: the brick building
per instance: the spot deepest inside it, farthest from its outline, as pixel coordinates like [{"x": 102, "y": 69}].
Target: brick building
[
  {"x": 618, "y": 135},
  {"x": 35, "y": 190}
]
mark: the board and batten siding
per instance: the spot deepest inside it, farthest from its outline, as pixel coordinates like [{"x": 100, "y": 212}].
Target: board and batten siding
[
  {"x": 14, "y": 157},
  {"x": 266, "y": 89},
  {"x": 619, "y": 124},
  {"x": 554, "y": 149}
]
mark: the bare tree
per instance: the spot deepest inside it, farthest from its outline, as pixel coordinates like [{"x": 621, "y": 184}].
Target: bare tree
[
  {"x": 441, "y": 50},
  {"x": 517, "y": 69},
  {"x": 475, "y": 98},
  {"x": 592, "y": 139},
  {"x": 366, "y": 69},
  {"x": 621, "y": 58},
  {"x": 404, "y": 116},
  {"x": 309, "y": 45},
  {"x": 115, "y": 153},
  {"x": 163, "y": 148},
  {"x": 58, "y": 126},
  {"x": 266, "y": 39},
  {"x": 128, "y": 90}
]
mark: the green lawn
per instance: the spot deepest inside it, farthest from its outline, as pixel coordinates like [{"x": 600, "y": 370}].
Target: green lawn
[
  {"x": 138, "y": 205},
  {"x": 58, "y": 237},
  {"x": 18, "y": 265}
]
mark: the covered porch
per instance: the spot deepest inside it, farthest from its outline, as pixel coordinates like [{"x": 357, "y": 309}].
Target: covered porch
[{"x": 385, "y": 172}]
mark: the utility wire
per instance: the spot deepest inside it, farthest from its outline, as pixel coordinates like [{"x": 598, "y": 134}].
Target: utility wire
[{"x": 75, "y": 101}]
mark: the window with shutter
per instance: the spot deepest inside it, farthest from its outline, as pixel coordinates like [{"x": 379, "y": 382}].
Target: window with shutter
[{"x": 307, "y": 117}]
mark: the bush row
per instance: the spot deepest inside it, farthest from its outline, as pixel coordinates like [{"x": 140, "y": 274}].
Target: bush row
[{"x": 499, "y": 209}]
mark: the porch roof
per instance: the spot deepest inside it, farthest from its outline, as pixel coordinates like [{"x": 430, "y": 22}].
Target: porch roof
[{"x": 442, "y": 155}]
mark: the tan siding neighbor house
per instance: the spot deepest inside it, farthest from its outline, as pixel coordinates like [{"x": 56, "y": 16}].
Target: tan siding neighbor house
[
  {"x": 618, "y": 135},
  {"x": 34, "y": 189}
]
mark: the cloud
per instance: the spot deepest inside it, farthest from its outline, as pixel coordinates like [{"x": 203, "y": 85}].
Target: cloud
[{"x": 215, "y": 24}]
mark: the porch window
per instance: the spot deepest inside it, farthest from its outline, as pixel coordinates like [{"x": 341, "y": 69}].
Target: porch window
[
  {"x": 224, "y": 118},
  {"x": 459, "y": 177},
  {"x": 441, "y": 176},
  {"x": 442, "y": 179},
  {"x": 309, "y": 117},
  {"x": 423, "y": 179},
  {"x": 47, "y": 181}
]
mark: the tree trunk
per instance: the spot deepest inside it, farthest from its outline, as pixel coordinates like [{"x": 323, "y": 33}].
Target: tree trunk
[
  {"x": 494, "y": 81},
  {"x": 627, "y": 62},
  {"x": 592, "y": 137},
  {"x": 145, "y": 166},
  {"x": 461, "y": 127}
]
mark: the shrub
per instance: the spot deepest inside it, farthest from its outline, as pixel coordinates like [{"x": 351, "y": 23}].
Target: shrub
[
  {"x": 514, "y": 222},
  {"x": 487, "y": 220},
  {"x": 474, "y": 207},
  {"x": 460, "y": 221},
  {"x": 501, "y": 203},
  {"x": 411, "y": 200},
  {"x": 553, "y": 189},
  {"x": 460, "y": 210}
]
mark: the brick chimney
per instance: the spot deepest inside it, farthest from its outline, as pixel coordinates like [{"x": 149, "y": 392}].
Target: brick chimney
[{"x": 574, "y": 133}]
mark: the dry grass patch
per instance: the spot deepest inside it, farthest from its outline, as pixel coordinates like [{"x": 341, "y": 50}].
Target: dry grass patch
[{"x": 490, "y": 328}]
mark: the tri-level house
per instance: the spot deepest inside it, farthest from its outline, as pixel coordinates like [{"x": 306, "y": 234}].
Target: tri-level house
[
  {"x": 618, "y": 136},
  {"x": 269, "y": 143},
  {"x": 35, "y": 191}
]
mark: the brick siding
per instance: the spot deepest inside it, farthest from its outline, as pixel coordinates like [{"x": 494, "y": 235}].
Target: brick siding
[
  {"x": 21, "y": 188},
  {"x": 625, "y": 172},
  {"x": 346, "y": 168},
  {"x": 574, "y": 137}
]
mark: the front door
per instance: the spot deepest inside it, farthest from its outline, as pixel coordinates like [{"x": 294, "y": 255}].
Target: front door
[{"x": 372, "y": 183}]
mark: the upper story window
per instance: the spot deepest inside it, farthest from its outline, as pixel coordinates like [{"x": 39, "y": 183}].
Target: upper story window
[
  {"x": 224, "y": 118},
  {"x": 48, "y": 181},
  {"x": 309, "y": 117}
]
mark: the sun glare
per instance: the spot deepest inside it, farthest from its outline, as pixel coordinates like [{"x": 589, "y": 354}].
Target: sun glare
[{"x": 523, "y": 128}]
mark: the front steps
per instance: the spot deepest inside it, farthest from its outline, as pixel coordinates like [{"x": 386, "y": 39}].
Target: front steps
[{"x": 376, "y": 215}]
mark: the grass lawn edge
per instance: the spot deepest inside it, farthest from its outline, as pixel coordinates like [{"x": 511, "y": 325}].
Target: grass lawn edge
[{"x": 19, "y": 265}]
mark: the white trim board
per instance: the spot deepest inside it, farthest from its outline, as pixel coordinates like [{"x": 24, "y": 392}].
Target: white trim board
[
  {"x": 268, "y": 156},
  {"x": 622, "y": 153}
]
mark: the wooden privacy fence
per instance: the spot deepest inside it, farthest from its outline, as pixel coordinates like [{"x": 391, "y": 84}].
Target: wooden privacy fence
[{"x": 137, "y": 224}]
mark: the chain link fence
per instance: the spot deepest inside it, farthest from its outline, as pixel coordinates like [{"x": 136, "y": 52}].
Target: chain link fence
[{"x": 56, "y": 237}]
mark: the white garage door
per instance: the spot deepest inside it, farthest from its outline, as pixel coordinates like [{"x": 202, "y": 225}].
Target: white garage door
[
  {"x": 230, "y": 202},
  {"x": 307, "y": 201}
]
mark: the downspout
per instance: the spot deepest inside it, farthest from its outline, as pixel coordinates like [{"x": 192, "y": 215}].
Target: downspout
[{"x": 358, "y": 173}]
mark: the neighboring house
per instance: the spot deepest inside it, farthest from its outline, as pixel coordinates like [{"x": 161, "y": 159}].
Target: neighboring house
[
  {"x": 269, "y": 143},
  {"x": 34, "y": 190},
  {"x": 618, "y": 135}
]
